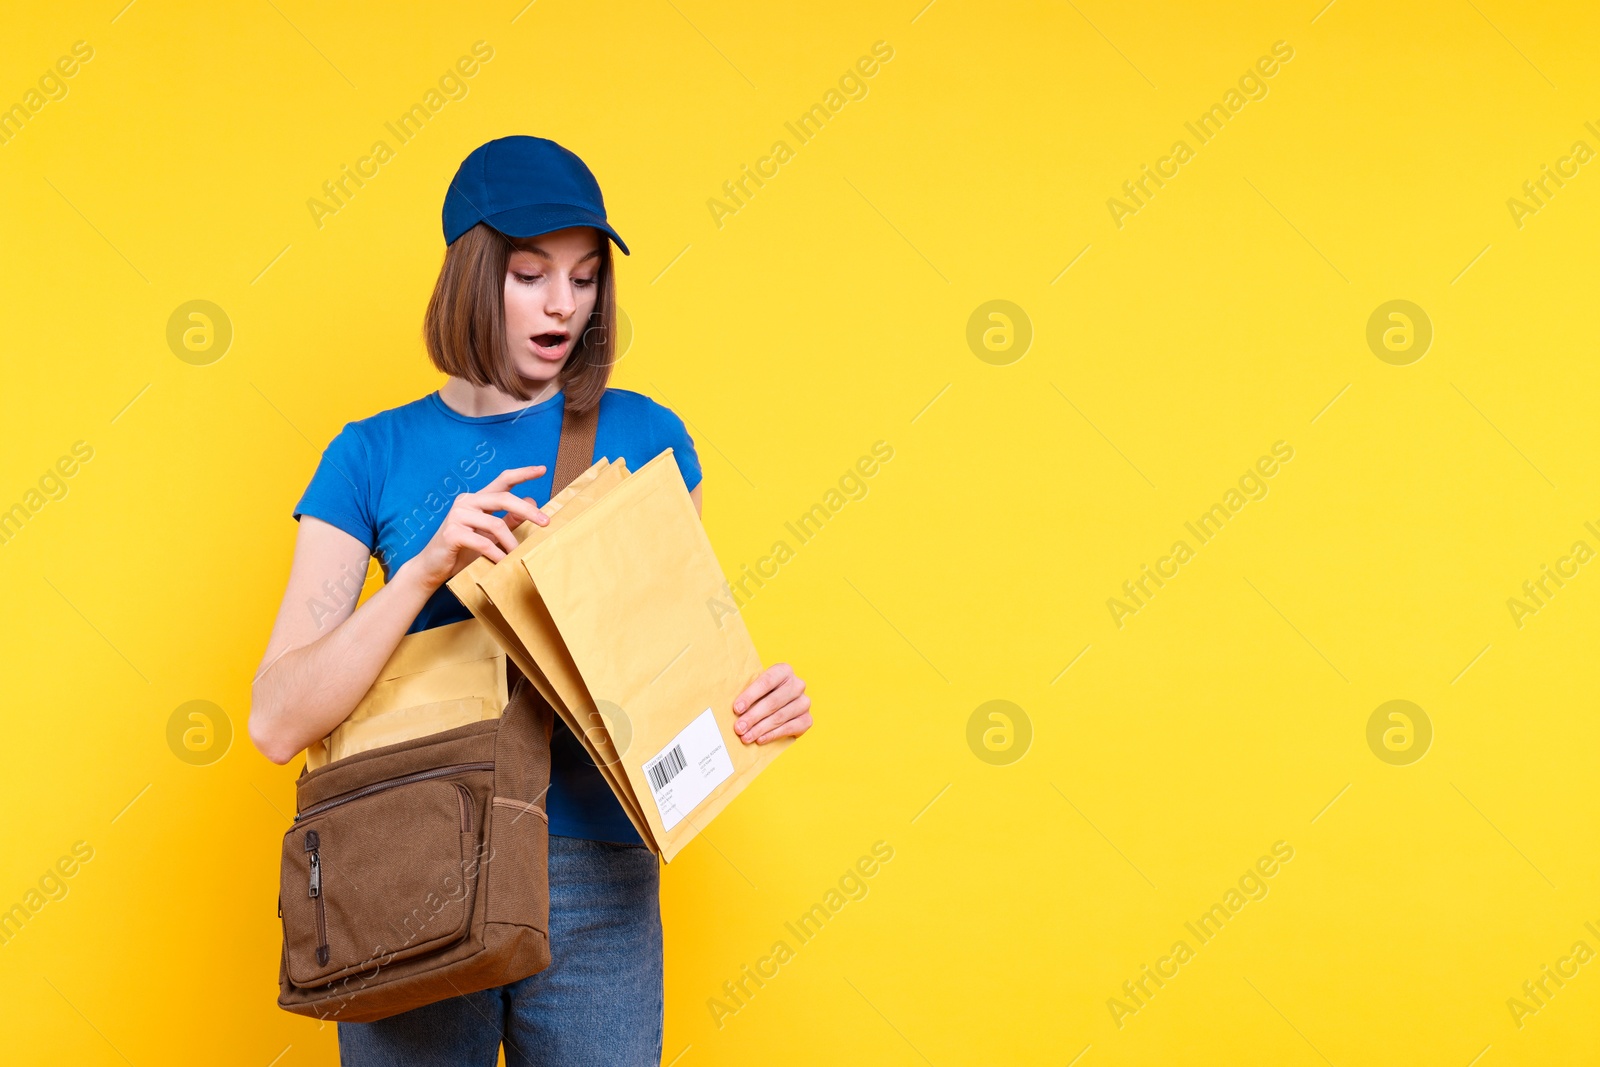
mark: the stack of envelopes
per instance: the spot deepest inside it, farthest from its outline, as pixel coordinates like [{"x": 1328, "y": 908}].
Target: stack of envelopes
[{"x": 618, "y": 613}]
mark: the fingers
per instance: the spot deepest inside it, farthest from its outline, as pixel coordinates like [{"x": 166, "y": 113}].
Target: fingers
[
  {"x": 522, "y": 508},
  {"x": 755, "y": 721},
  {"x": 513, "y": 476},
  {"x": 764, "y": 683},
  {"x": 769, "y": 726},
  {"x": 793, "y": 728},
  {"x": 779, "y": 716},
  {"x": 465, "y": 542},
  {"x": 492, "y": 526}
]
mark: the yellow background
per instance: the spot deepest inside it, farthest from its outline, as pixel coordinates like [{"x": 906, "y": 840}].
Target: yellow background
[{"x": 824, "y": 316}]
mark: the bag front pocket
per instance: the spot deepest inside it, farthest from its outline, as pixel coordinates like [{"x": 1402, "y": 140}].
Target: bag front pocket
[{"x": 380, "y": 874}]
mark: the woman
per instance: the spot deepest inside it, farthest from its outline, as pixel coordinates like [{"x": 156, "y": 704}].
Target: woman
[{"x": 522, "y": 320}]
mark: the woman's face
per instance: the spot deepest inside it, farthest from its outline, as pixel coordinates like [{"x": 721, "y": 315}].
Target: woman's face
[{"x": 550, "y": 292}]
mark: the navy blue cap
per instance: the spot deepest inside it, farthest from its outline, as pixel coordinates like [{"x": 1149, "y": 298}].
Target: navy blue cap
[{"x": 524, "y": 186}]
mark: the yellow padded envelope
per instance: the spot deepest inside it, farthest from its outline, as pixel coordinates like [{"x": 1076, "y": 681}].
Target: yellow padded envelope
[
  {"x": 503, "y": 597},
  {"x": 631, "y": 583},
  {"x": 452, "y": 675},
  {"x": 434, "y": 680}
]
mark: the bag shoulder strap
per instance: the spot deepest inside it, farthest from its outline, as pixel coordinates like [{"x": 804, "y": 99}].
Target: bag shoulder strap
[{"x": 575, "y": 454}]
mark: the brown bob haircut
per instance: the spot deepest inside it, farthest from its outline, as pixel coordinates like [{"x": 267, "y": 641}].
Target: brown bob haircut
[{"x": 465, "y": 327}]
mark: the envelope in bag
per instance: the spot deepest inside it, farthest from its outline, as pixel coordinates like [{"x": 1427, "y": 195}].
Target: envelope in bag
[
  {"x": 434, "y": 680},
  {"x": 634, "y": 588}
]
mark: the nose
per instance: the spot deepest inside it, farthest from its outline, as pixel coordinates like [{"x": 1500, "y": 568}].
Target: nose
[{"x": 561, "y": 299}]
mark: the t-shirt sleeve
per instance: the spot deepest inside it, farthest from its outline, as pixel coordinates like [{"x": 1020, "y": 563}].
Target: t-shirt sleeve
[
  {"x": 340, "y": 490},
  {"x": 675, "y": 435}
]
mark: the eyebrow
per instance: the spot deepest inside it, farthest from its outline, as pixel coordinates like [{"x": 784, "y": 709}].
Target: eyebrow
[{"x": 536, "y": 250}]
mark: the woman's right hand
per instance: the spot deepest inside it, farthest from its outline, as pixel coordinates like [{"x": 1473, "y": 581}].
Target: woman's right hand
[{"x": 471, "y": 529}]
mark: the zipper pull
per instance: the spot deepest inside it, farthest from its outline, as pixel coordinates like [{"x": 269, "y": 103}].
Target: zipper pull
[{"x": 313, "y": 842}]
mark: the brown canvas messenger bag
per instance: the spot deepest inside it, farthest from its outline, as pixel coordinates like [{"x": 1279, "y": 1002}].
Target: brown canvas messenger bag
[{"x": 418, "y": 871}]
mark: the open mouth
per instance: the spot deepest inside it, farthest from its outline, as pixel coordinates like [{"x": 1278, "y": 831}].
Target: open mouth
[{"x": 550, "y": 344}]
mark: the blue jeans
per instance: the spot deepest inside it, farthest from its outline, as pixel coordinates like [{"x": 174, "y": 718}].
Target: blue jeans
[{"x": 598, "y": 1004}]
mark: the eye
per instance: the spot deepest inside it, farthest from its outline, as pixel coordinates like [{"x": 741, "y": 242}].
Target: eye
[
  {"x": 583, "y": 281},
  {"x": 526, "y": 279}
]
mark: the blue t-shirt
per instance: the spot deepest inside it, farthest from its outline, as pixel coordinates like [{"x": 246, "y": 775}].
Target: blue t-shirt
[{"x": 388, "y": 480}]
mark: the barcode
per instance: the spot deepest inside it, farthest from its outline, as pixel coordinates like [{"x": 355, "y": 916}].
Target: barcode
[{"x": 666, "y": 768}]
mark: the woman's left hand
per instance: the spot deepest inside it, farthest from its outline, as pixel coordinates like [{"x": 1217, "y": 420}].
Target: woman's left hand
[{"x": 774, "y": 705}]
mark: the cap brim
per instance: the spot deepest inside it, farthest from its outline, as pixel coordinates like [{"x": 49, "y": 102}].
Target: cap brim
[{"x": 534, "y": 219}]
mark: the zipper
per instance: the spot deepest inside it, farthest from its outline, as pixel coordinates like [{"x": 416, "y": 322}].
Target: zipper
[
  {"x": 313, "y": 845},
  {"x": 390, "y": 783},
  {"x": 466, "y": 807}
]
